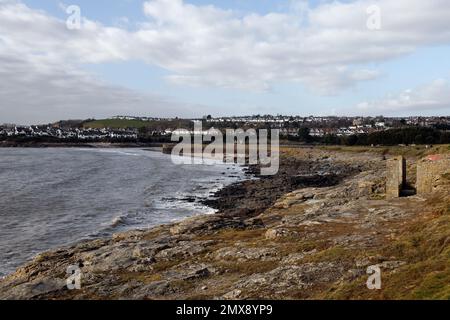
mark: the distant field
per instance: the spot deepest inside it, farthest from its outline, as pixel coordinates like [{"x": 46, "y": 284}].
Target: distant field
[
  {"x": 116, "y": 124},
  {"x": 151, "y": 125}
]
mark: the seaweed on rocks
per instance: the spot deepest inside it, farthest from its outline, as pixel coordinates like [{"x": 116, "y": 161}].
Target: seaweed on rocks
[{"x": 250, "y": 198}]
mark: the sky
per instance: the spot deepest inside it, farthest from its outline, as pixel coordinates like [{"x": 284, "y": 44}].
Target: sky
[{"x": 190, "y": 58}]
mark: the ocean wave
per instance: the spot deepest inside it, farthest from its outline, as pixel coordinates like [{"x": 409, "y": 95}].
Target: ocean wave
[
  {"x": 115, "y": 222},
  {"x": 113, "y": 151},
  {"x": 125, "y": 153}
]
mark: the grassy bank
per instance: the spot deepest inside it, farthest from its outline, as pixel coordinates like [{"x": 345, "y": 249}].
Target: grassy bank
[
  {"x": 407, "y": 151},
  {"x": 424, "y": 245},
  {"x": 137, "y": 124},
  {"x": 116, "y": 124}
]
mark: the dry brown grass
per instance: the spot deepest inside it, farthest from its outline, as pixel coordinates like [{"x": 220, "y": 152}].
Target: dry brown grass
[
  {"x": 424, "y": 244},
  {"x": 144, "y": 277},
  {"x": 234, "y": 235},
  {"x": 407, "y": 151}
]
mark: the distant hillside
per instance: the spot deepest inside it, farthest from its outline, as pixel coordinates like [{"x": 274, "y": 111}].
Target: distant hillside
[
  {"x": 152, "y": 125},
  {"x": 68, "y": 124},
  {"x": 115, "y": 123}
]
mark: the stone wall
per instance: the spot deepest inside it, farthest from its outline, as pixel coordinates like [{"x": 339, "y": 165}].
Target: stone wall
[
  {"x": 396, "y": 177},
  {"x": 431, "y": 171}
]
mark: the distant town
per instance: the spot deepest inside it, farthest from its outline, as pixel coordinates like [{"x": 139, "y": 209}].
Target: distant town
[
  {"x": 131, "y": 128},
  {"x": 66, "y": 133}
]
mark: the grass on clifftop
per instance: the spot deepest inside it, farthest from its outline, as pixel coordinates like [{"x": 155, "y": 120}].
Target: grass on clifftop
[
  {"x": 137, "y": 124},
  {"x": 116, "y": 124},
  {"x": 418, "y": 151},
  {"x": 425, "y": 247}
]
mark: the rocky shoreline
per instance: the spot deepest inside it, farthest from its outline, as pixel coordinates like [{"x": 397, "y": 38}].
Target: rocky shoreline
[
  {"x": 251, "y": 197},
  {"x": 308, "y": 232}
]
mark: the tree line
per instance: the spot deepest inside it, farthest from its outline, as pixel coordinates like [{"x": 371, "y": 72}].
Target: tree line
[{"x": 406, "y": 136}]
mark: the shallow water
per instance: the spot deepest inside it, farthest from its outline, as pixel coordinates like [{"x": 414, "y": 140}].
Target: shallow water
[{"x": 54, "y": 197}]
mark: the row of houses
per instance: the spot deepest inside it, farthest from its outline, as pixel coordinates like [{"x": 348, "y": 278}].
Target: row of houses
[
  {"x": 287, "y": 132},
  {"x": 345, "y": 131},
  {"x": 378, "y": 121},
  {"x": 288, "y": 126},
  {"x": 71, "y": 133}
]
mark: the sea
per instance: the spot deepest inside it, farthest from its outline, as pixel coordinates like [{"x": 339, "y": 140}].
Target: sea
[{"x": 59, "y": 196}]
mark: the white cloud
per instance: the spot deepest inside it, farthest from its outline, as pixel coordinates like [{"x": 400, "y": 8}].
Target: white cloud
[
  {"x": 206, "y": 45},
  {"x": 40, "y": 78},
  {"x": 39, "y": 92},
  {"x": 326, "y": 48},
  {"x": 431, "y": 97}
]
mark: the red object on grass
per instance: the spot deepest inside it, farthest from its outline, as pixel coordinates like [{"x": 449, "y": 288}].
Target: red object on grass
[{"x": 434, "y": 157}]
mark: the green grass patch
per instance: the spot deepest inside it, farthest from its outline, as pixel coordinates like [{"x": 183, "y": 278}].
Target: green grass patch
[
  {"x": 137, "y": 124},
  {"x": 115, "y": 124}
]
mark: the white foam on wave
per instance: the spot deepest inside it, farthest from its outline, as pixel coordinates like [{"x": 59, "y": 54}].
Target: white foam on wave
[
  {"x": 121, "y": 152},
  {"x": 115, "y": 222},
  {"x": 113, "y": 151}
]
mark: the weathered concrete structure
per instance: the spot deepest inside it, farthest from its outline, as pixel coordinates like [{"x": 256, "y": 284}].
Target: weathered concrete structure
[
  {"x": 430, "y": 172},
  {"x": 396, "y": 177}
]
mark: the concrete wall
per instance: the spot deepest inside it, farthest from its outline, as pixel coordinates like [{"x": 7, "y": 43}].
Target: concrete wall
[
  {"x": 395, "y": 177},
  {"x": 429, "y": 172}
]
